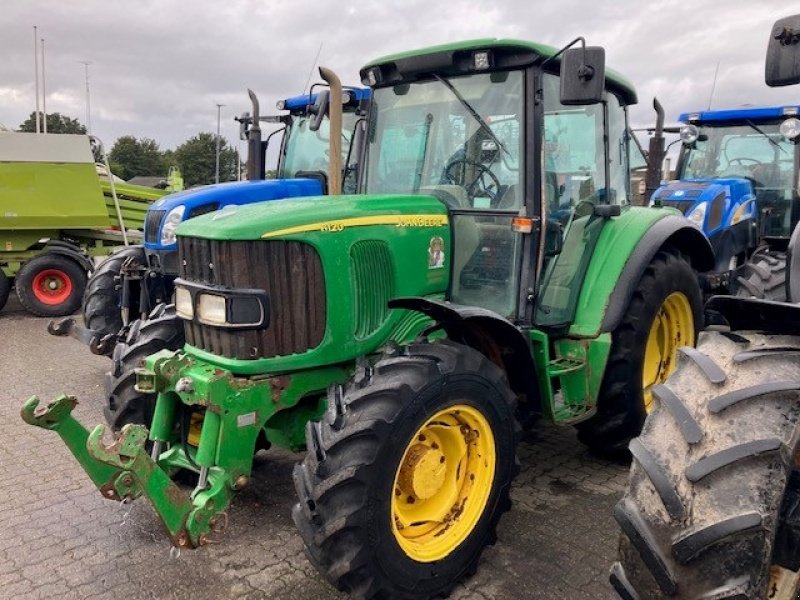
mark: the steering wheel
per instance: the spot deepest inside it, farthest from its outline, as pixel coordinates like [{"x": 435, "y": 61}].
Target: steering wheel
[
  {"x": 740, "y": 160},
  {"x": 455, "y": 173}
]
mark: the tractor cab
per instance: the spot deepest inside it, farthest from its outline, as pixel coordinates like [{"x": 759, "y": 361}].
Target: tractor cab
[{"x": 523, "y": 176}]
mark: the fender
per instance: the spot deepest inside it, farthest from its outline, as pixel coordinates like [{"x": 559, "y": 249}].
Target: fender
[
  {"x": 71, "y": 251},
  {"x": 610, "y": 282},
  {"x": 489, "y": 333}
]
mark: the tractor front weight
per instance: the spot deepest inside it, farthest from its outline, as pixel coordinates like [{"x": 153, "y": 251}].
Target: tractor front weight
[{"x": 206, "y": 421}]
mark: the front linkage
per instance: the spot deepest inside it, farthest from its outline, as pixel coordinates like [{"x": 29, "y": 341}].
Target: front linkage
[{"x": 206, "y": 421}]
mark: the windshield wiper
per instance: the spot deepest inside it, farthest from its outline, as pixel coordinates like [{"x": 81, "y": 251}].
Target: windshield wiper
[
  {"x": 473, "y": 113},
  {"x": 769, "y": 139},
  {"x": 421, "y": 162}
]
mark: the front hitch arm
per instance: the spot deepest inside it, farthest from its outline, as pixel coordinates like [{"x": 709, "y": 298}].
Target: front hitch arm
[{"x": 57, "y": 416}]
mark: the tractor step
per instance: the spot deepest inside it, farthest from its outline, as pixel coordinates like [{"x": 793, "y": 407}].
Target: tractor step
[{"x": 564, "y": 366}]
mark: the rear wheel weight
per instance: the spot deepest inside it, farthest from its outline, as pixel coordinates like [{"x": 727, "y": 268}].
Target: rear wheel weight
[
  {"x": 380, "y": 513},
  {"x": 723, "y": 538},
  {"x": 50, "y": 285},
  {"x": 664, "y": 314},
  {"x": 123, "y": 403}
]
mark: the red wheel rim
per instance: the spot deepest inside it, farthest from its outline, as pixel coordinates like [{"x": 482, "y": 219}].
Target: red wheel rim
[{"x": 52, "y": 286}]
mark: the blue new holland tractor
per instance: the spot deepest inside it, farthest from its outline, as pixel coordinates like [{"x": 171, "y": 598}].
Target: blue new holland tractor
[{"x": 737, "y": 180}]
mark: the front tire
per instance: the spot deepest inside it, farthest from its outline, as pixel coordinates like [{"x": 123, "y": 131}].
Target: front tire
[
  {"x": 50, "y": 285},
  {"x": 664, "y": 313},
  {"x": 163, "y": 330},
  {"x": 763, "y": 276},
  {"x": 407, "y": 474},
  {"x": 714, "y": 477}
]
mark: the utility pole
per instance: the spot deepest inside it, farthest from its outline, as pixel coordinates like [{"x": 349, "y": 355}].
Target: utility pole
[
  {"x": 216, "y": 171},
  {"x": 86, "y": 64},
  {"x": 36, "y": 72},
  {"x": 44, "y": 93}
]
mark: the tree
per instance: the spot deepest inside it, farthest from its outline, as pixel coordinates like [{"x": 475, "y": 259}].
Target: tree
[
  {"x": 131, "y": 157},
  {"x": 56, "y": 123},
  {"x": 196, "y": 158}
]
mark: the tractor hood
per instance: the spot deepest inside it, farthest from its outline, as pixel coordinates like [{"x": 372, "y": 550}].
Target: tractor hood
[
  {"x": 239, "y": 192},
  {"x": 687, "y": 193},
  {"x": 294, "y": 217}
]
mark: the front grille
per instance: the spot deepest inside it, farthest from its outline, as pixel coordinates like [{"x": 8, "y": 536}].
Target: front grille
[
  {"x": 289, "y": 272},
  {"x": 152, "y": 225}
]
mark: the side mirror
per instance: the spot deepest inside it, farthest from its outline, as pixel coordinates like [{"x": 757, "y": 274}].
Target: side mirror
[
  {"x": 319, "y": 110},
  {"x": 583, "y": 75},
  {"x": 783, "y": 53}
]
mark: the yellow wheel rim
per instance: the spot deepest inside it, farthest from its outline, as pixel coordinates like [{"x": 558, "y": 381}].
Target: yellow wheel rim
[
  {"x": 672, "y": 328},
  {"x": 443, "y": 483}
]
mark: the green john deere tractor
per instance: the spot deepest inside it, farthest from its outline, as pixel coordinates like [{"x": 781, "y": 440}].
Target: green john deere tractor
[{"x": 492, "y": 272}]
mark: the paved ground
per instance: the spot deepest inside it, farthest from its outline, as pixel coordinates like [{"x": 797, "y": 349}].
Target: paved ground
[{"x": 59, "y": 538}]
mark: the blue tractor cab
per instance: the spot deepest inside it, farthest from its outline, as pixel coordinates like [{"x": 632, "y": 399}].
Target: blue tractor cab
[
  {"x": 133, "y": 281},
  {"x": 736, "y": 177}
]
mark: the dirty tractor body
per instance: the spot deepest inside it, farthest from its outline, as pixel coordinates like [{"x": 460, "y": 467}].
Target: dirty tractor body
[{"x": 492, "y": 273}]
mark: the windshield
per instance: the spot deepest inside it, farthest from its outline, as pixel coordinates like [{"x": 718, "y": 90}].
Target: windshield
[
  {"x": 756, "y": 151},
  {"x": 458, "y": 139},
  {"x": 307, "y": 150}
]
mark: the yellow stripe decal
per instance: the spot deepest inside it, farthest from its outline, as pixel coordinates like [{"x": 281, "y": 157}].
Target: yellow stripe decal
[{"x": 423, "y": 220}]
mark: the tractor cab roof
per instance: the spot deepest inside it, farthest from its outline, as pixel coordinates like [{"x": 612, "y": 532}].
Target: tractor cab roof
[
  {"x": 302, "y": 102},
  {"x": 458, "y": 59},
  {"x": 749, "y": 113}
]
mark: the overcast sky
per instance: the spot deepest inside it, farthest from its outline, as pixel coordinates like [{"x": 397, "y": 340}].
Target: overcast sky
[{"x": 158, "y": 68}]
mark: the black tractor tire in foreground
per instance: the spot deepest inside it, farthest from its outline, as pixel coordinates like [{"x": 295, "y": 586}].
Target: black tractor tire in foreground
[
  {"x": 163, "y": 330},
  {"x": 621, "y": 409},
  {"x": 50, "y": 285},
  {"x": 349, "y": 484},
  {"x": 5, "y": 289},
  {"x": 712, "y": 504},
  {"x": 103, "y": 298},
  {"x": 763, "y": 276}
]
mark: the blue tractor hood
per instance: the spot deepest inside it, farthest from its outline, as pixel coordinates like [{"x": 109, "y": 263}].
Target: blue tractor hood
[
  {"x": 718, "y": 199},
  {"x": 202, "y": 200}
]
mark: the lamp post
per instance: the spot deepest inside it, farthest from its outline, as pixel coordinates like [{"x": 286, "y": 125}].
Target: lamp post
[{"x": 216, "y": 170}]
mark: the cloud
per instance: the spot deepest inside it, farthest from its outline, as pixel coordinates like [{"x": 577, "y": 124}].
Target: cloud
[{"x": 159, "y": 67}]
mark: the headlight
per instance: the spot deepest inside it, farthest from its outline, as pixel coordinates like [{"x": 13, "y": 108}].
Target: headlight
[
  {"x": 171, "y": 221},
  {"x": 211, "y": 309},
  {"x": 790, "y": 128},
  {"x": 742, "y": 212},
  {"x": 222, "y": 307},
  {"x": 689, "y": 134},
  {"x": 698, "y": 215},
  {"x": 183, "y": 303}
]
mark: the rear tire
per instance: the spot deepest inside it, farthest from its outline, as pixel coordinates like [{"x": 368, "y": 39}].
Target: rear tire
[
  {"x": 364, "y": 457},
  {"x": 103, "y": 299},
  {"x": 5, "y": 289},
  {"x": 622, "y": 403},
  {"x": 162, "y": 331},
  {"x": 50, "y": 285},
  {"x": 763, "y": 276},
  {"x": 713, "y": 476}
]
